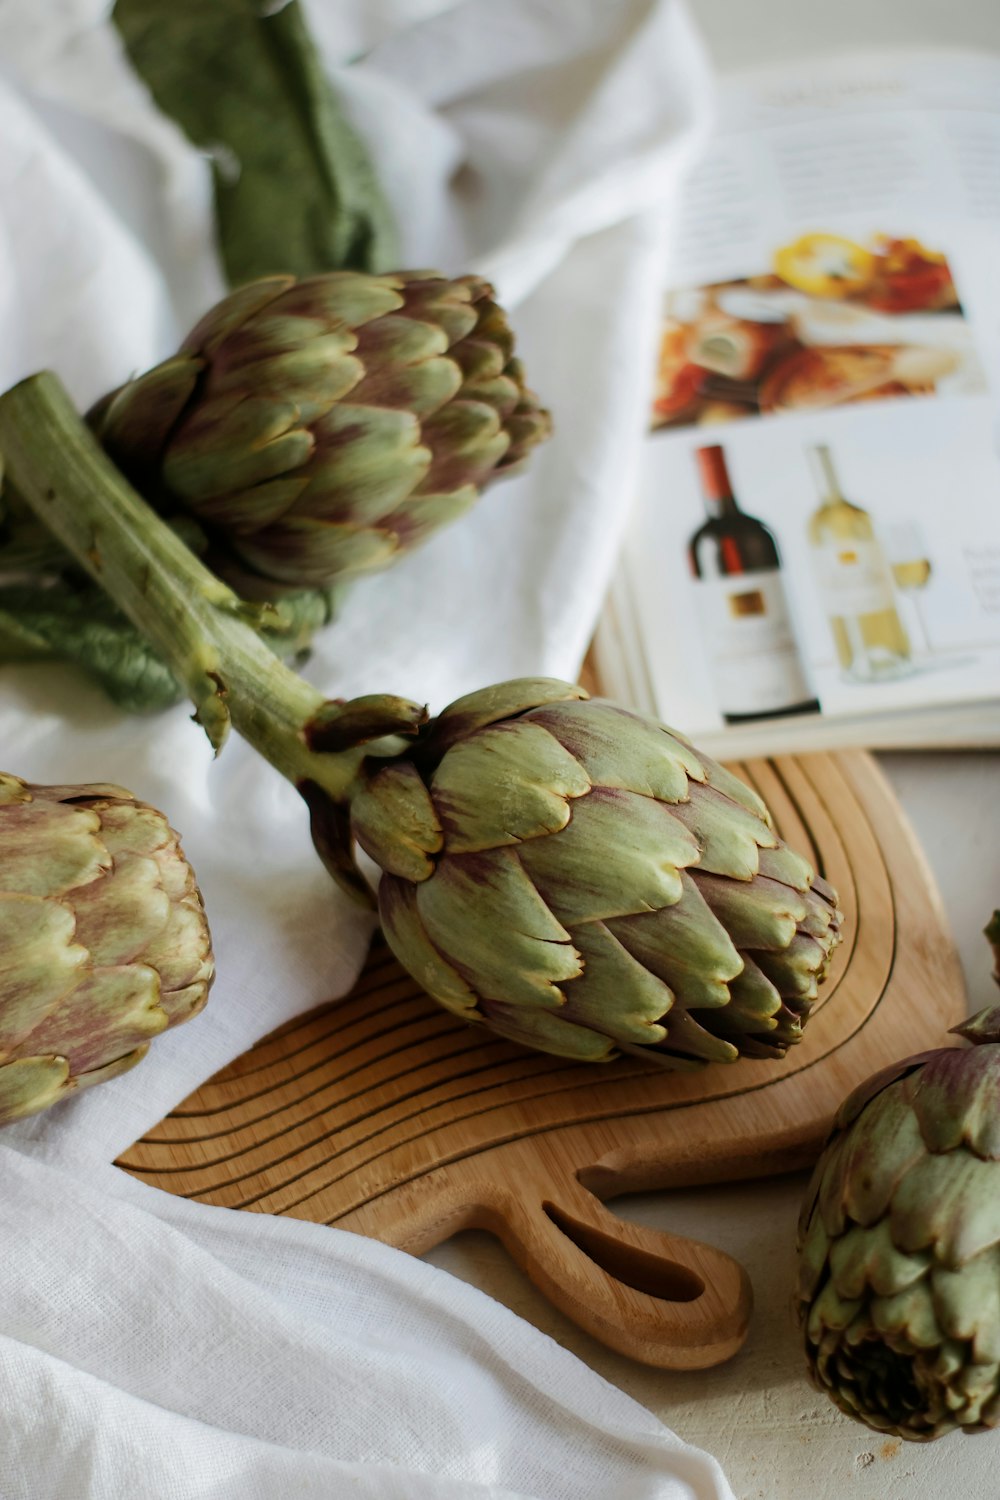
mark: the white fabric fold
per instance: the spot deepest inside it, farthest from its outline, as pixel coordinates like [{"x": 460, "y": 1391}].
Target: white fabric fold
[
  {"x": 179, "y": 1350},
  {"x": 156, "y": 1348}
]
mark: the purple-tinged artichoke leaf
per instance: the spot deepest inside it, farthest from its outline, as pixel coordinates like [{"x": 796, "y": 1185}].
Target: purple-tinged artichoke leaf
[
  {"x": 330, "y": 827},
  {"x": 478, "y": 359},
  {"x": 956, "y": 1099},
  {"x": 342, "y": 726},
  {"x": 74, "y": 853},
  {"x": 405, "y": 340},
  {"x": 231, "y": 446},
  {"x": 136, "y": 421},
  {"x": 619, "y": 854},
  {"x": 407, "y": 937},
  {"x": 615, "y": 995},
  {"x": 350, "y": 297},
  {"x": 620, "y": 749},
  {"x": 754, "y": 995},
  {"x": 686, "y": 946},
  {"x": 310, "y": 376},
  {"x": 729, "y": 836},
  {"x": 32, "y": 1084},
  {"x": 686, "y": 1036},
  {"x": 40, "y": 963},
  {"x": 760, "y": 915},
  {"x": 302, "y": 552},
  {"x": 421, "y": 515},
  {"x": 117, "y": 917},
  {"x": 869, "y": 1088},
  {"x": 733, "y": 786},
  {"x": 113, "y": 1011},
  {"x": 868, "y": 1163},
  {"x": 950, "y": 1203},
  {"x": 368, "y": 459},
  {"x": 233, "y": 311},
  {"x": 790, "y": 868},
  {"x": 467, "y": 442},
  {"x": 429, "y": 296},
  {"x": 485, "y": 917},
  {"x": 129, "y": 827},
  {"x": 246, "y": 511},
  {"x": 113, "y": 1069},
  {"x": 394, "y": 821},
  {"x": 864, "y": 1260},
  {"x": 421, "y": 388},
  {"x": 506, "y": 700},
  {"x": 909, "y": 1316},
  {"x": 504, "y": 784},
  {"x": 796, "y": 973},
  {"x": 181, "y": 953},
  {"x": 814, "y": 1246},
  {"x": 550, "y": 1031},
  {"x": 967, "y": 1302}
]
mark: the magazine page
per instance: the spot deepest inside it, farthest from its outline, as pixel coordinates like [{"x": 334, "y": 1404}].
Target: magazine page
[{"x": 816, "y": 543}]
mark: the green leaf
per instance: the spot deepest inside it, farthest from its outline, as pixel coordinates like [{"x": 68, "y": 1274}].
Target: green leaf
[
  {"x": 294, "y": 189},
  {"x": 83, "y": 627}
]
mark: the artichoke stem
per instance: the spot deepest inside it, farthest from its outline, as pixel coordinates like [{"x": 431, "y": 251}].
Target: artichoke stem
[{"x": 198, "y": 625}]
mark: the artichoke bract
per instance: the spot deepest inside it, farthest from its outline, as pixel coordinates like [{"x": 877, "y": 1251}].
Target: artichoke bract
[
  {"x": 582, "y": 880},
  {"x": 103, "y": 939},
  {"x": 319, "y": 428},
  {"x": 899, "y": 1270}
]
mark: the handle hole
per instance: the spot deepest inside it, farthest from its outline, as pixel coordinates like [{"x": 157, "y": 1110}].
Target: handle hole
[{"x": 639, "y": 1269}]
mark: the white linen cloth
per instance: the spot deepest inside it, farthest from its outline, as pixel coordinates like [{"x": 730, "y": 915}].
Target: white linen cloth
[{"x": 151, "y": 1347}]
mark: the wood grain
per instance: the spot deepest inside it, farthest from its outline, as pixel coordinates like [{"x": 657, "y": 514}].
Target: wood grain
[{"x": 383, "y": 1114}]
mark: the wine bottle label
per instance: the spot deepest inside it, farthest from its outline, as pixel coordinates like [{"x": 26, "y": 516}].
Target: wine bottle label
[
  {"x": 747, "y": 633},
  {"x": 854, "y": 578}
]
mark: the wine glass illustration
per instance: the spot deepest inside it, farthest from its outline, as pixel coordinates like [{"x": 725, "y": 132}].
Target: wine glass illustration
[{"x": 911, "y": 572}]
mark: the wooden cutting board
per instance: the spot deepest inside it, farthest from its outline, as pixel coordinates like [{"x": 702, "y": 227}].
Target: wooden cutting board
[{"x": 383, "y": 1114}]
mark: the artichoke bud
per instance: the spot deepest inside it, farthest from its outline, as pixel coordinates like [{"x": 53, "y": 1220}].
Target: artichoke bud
[
  {"x": 103, "y": 939},
  {"x": 583, "y": 881},
  {"x": 318, "y": 429},
  {"x": 899, "y": 1245}
]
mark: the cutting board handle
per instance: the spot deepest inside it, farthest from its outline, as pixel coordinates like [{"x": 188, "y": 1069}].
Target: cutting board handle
[{"x": 657, "y": 1297}]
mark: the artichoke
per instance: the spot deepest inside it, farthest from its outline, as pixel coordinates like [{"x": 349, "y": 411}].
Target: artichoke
[
  {"x": 580, "y": 879},
  {"x": 318, "y": 428},
  {"x": 569, "y": 873},
  {"x": 103, "y": 939},
  {"x": 899, "y": 1272}
]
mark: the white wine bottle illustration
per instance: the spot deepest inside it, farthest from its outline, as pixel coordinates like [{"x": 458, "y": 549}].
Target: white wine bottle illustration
[{"x": 855, "y": 582}]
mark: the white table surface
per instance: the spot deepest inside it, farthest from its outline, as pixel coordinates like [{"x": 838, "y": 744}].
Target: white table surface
[{"x": 777, "y": 1438}]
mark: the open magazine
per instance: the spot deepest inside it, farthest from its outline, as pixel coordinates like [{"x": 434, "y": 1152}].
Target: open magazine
[{"x": 814, "y": 556}]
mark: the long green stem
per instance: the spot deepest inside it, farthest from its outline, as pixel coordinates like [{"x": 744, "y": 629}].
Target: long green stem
[{"x": 198, "y": 625}]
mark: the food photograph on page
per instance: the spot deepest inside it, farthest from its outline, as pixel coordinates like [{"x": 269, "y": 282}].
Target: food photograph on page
[
  {"x": 467, "y": 947},
  {"x": 830, "y": 323}
]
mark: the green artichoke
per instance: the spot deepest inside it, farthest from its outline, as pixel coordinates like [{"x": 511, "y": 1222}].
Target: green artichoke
[
  {"x": 319, "y": 428},
  {"x": 899, "y": 1272},
  {"x": 103, "y": 939},
  {"x": 582, "y": 880},
  {"x": 569, "y": 873}
]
